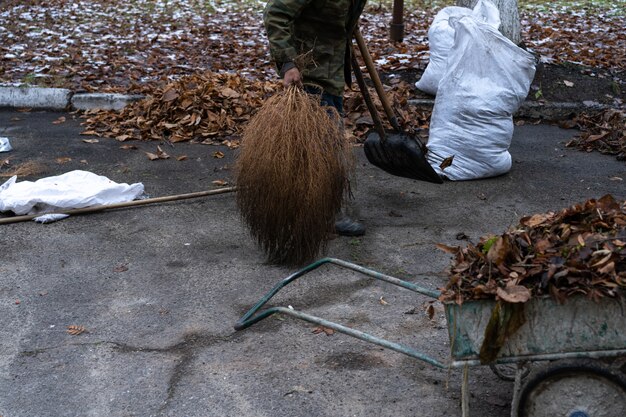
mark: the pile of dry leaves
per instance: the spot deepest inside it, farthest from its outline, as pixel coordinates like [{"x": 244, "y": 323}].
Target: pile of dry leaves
[
  {"x": 604, "y": 132},
  {"x": 199, "y": 107},
  {"x": 580, "y": 250},
  {"x": 205, "y": 106}
]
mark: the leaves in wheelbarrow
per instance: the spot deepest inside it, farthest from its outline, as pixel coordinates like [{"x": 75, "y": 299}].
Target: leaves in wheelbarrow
[{"x": 578, "y": 250}]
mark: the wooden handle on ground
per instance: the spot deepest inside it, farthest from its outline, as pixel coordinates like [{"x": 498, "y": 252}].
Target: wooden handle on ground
[{"x": 94, "y": 209}]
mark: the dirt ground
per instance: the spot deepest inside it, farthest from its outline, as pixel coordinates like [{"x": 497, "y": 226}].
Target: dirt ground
[{"x": 587, "y": 84}]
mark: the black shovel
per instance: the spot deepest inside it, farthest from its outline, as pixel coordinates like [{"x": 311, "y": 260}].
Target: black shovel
[{"x": 395, "y": 152}]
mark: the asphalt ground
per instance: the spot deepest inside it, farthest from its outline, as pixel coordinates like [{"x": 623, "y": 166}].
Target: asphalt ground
[{"x": 159, "y": 287}]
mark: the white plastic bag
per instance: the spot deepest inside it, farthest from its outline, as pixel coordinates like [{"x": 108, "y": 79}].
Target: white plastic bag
[
  {"x": 441, "y": 39},
  {"x": 75, "y": 189},
  {"x": 487, "y": 79}
]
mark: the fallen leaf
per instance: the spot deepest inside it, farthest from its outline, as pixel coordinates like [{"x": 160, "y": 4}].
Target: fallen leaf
[
  {"x": 568, "y": 83},
  {"x": 127, "y": 147},
  {"x": 218, "y": 154},
  {"x": 446, "y": 162},
  {"x": 63, "y": 160},
  {"x": 430, "y": 311},
  {"x": 59, "y": 120},
  {"x": 446, "y": 248},
  {"x": 220, "y": 183},
  {"x": 181, "y": 157},
  {"x": 75, "y": 330},
  {"x": 382, "y": 301},
  {"x": 514, "y": 293},
  {"x": 322, "y": 329},
  {"x": 170, "y": 95},
  {"x": 160, "y": 154},
  {"x": 120, "y": 268},
  {"x": 91, "y": 140}
]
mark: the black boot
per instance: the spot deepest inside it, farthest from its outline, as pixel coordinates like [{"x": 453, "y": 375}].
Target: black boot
[{"x": 346, "y": 226}]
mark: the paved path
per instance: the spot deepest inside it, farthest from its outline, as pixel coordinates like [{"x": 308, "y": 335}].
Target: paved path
[{"x": 159, "y": 288}]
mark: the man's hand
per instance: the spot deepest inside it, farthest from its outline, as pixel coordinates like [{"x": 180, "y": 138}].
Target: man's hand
[{"x": 292, "y": 76}]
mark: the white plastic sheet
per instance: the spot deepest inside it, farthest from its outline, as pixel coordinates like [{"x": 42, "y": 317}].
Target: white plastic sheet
[
  {"x": 75, "y": 189},
  {"x": 5, "y": 145},
  {"x": 486, "y": 80},
  {"x": 441, "y": 39}
]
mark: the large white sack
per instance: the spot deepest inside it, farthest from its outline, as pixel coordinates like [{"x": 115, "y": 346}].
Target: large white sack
[
  {"x": 75, "y": 189},
  {"x": 441, "y": 39},
  {"x": 487, "y": 79}
]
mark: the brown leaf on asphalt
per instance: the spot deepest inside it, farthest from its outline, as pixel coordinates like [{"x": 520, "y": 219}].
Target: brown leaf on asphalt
[
  {"x": 220, "y": 183},
  {"x": 446, "y": 248},
  {"x": 63, "y": 160},
  {"x": 59, "y": 120},
  {"x": 128, "y": 147},
  {"x": 160, "y": 154},
  {"x": 430, "y": 311},
  {"x": 121, "y": 268},
  {"x": 181, "y": 157},
  {"x": 75, "y": 330},
  {"x": 91, "y": 140},
  {"x": 603, "y": 132},
  {"x": 218, "y": 154},
  {"x": 90, "y": 133},
  {"x": 321, "y": 329}
]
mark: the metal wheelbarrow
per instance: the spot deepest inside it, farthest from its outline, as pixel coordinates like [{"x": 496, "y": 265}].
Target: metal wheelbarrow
[{"x": 582, "y": 342}]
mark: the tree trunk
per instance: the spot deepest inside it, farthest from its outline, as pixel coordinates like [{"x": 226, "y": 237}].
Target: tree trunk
[{"x": 509, "y": 16}]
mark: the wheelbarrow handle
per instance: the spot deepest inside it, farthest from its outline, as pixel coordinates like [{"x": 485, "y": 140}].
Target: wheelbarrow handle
[
  {"x": 371, "y": 69},
  {"x": 348, "y": 265},
  {"x": 254, "y": 316},
  {"x": 366, "y": 337}
]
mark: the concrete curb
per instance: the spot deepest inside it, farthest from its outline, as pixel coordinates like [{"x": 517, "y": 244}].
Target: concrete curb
[
  {"x": 549, "y": 111},
  {"x": 35, "y": 98},
  {"x": 59, "y": 99},
  {"x": 106, "y": 101}
]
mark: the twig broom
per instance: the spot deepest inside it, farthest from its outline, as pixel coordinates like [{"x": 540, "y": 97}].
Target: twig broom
[{"x": 292, "y": 174}]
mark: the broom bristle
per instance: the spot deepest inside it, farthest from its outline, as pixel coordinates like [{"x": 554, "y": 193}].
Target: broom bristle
[{"x": 292, "y": 173}]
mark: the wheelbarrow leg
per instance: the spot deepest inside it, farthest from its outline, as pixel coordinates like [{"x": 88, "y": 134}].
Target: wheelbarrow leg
[{"x": 465, "y": 396}]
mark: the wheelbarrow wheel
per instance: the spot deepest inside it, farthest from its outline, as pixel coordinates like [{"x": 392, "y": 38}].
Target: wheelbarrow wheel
[{"x": 587, "y": 388}]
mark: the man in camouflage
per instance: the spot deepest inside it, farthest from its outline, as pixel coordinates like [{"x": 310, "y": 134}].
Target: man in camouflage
[{"x": 324, "y": 29}]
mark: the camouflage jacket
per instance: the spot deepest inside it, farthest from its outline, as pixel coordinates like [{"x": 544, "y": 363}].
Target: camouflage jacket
[{"x": 324, "y": 27}]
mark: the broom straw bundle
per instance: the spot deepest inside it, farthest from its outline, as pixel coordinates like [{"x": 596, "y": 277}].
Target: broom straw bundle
[{"x": 292, "y": 174}]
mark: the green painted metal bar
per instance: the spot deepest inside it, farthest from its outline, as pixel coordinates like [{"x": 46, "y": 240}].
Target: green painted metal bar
[
  {"x": 366, "y": 337},
  {"x": 387, "y": 278},
  {"x": 339, "y": 262},
  {"x": 545, "y": 357}
]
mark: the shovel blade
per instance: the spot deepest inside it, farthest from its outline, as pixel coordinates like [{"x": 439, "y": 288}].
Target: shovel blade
[{"x": 401, "y": 155}]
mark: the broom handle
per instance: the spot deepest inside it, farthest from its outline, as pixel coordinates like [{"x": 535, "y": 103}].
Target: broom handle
[
  {"x": 94, "y": 209},
  {"x": 369, "y": 63},
  {"x": 378, "y": 124}
]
